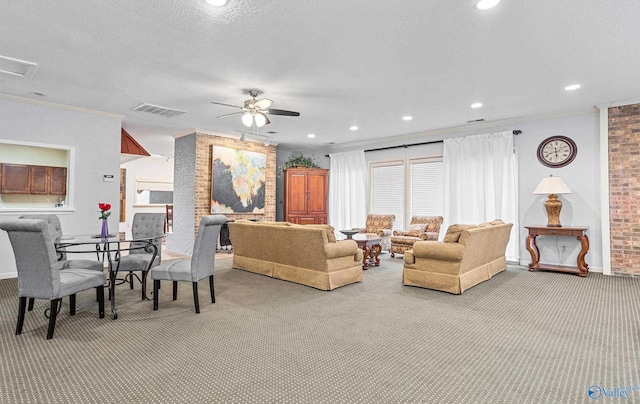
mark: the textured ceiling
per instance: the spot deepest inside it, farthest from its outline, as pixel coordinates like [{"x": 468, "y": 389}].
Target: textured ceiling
[{"x": 338, "y": 63}]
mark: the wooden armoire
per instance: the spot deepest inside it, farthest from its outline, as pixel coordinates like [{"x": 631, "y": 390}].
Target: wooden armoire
[{"x": 306, "y": 195}]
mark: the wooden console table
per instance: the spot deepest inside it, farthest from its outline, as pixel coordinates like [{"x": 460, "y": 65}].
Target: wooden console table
[{"x": 579, "y": 232}]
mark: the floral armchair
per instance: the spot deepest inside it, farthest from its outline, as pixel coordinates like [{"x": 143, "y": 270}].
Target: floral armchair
[
  {"x": 382, "y": 225},
  {"x": 421, "y": 228}
]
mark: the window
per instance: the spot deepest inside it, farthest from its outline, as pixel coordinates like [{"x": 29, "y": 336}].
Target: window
[
  {"x": 152, "y": 192},
  {"x": 387, "y": 190},
  {"x": 426, "y": 187},
  {"x": 407, "y": 188}
]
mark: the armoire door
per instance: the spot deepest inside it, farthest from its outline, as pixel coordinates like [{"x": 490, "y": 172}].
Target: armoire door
[
  {"x": 296, "y": 197},
  {"x": 317, "y": 188}
]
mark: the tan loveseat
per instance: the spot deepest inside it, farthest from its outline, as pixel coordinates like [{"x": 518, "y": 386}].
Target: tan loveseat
[
  {"x": 306, "y": 254},
  {"x": 469, "y": 255}
]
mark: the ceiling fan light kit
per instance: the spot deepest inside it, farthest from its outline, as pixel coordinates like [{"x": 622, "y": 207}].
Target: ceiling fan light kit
[
  {"x": 254, "y": 112},
  {"x": 247, "y": 119}
]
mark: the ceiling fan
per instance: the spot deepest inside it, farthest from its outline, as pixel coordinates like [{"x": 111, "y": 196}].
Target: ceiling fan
[{"x": 254, "y": 112}]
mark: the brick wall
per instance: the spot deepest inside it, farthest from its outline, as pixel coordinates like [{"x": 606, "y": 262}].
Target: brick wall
[
  {"x": 192, "y": 185},
  {"x": 624, "y": 188}
]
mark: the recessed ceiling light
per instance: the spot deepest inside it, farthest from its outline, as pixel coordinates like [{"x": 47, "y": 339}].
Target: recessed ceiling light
[
  {"x": 572, "y": 87},
  {"x": 476, "y": 105},
  {"x": 311, "y": 135},
  {"x": 353, "y": 127},
  {"x": 217, "y": 3},
  {"x": 486, "y": 4},
  {"x": 407, "y": 118}
]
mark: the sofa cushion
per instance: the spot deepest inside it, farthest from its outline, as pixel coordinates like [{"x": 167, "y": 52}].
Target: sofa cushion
[
  {"x": 270, "y": 223},
  {"x": 491, "y": 223},
  {"x": 455, "y": 230},
  {"x": 415, "y": 230},
  {"x": 330, "y": 230}
]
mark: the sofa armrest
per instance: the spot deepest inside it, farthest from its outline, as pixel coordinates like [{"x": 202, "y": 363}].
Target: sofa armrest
[
  {"x": 360, "y": 229},
  {"x": 398, "y": 233},
  {"x": 436, "y": 250},
  {"x": 409, "y": 258},
  {"x": 342, "y": 248},
  {"x": 385, "y": 232},
  {"x": 358, "y": 255},
  {"x": 429, "y": 236}
]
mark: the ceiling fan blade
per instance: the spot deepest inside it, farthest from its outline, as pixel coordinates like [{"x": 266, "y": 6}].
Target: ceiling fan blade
[
  {"x": 226, "y": 115},
  {"x": 226, "y": 105},
  {"x": 282, "y": 112},
  {"x": 263, "y": 103}
]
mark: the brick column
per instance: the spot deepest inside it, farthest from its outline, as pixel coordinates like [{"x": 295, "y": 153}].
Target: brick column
[{"x": 624, "y": 188}]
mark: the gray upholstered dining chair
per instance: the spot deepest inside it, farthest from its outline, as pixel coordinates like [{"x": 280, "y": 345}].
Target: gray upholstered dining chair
[
  {"x": 198, "y": 267},
  {"x": 141, "y": 259},
  {"x": 56, "y": 233},
  {"x": 55, "y": 228},
  {"x": 42, "y": 276}
]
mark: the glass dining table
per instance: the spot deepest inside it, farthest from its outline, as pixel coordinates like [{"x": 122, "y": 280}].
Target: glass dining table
[{"x": 109, "y": 249}]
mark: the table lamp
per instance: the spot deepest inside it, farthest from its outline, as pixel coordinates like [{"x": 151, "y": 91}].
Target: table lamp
[{"x": 552, "y": 186}]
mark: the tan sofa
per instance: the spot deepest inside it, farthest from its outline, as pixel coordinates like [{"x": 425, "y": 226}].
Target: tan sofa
[
  {"x": 305, "y": 254},
  {"x": 469, "y": 255}
]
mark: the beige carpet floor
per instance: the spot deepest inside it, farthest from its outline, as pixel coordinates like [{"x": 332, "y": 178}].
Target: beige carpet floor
[{"x": 519, "y": 338}]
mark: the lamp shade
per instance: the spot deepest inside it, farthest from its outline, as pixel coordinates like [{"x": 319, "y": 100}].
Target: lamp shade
[{"x": 551, "y": 185}]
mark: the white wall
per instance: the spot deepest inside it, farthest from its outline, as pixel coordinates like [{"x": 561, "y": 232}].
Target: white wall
[
  {"x": 96, "y": 138},
  {"x": 581, "y": 208}
]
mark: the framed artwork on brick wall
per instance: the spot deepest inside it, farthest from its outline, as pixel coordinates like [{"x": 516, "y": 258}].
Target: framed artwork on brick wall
[{"x": 237, "y": 180}]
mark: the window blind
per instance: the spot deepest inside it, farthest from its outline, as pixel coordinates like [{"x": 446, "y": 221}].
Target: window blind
[
  {"x": 426, "y": 187},
  {"x": 387, "y": 190}
]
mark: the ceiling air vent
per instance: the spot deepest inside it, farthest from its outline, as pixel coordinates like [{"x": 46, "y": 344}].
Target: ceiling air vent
[
  {"x": 17, "y": 67},
  {"x": 476, "y": 120},
  {"x": 158, "y": 110}
]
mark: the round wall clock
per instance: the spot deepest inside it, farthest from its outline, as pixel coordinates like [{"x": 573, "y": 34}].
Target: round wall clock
[{"x": 557, "y": 151}]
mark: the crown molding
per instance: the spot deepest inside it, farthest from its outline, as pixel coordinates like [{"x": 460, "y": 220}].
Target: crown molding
[
  {"x": 439, "y": 134},
  {"x": 62, "y": 106}
]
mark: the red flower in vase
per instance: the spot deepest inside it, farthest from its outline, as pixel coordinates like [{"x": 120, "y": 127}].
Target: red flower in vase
[{"x": 104, "y": 210}]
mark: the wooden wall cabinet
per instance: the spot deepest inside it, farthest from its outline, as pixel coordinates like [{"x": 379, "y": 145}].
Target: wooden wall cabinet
[
  {"x": 33, "y": 180},
  {"x": 15, "y": 179},
  {"x": 57, "y": 180},
  {"x": 306, "y": 195},
  {"x": 38, "y": 180}
]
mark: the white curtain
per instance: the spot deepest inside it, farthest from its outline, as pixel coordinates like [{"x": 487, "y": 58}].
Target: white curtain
[
  {"x": 348, "y": 180},
  {"x": 480, "y": 182}
]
